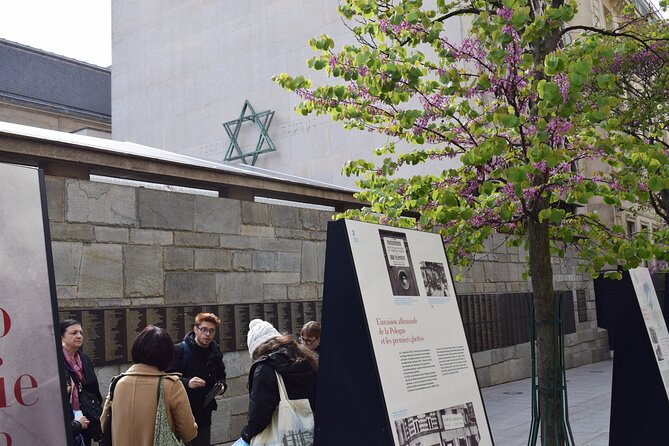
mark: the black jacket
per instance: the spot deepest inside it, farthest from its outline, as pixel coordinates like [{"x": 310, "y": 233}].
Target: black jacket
[
  {"x": 92, "y": 386},
  {"x": 300, "y": 381},
  {"x": 205, "y": 363}
]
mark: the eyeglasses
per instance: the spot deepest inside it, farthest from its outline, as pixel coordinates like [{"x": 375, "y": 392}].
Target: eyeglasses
[
  {"x": 205, "y": 331},
  {"x": 307, "y": 341}
]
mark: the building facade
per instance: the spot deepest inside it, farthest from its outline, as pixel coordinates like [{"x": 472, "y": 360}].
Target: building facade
[{"x": 45, "y": 90}]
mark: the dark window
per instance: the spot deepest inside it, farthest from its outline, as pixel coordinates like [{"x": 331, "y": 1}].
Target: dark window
[
  {"x": 582, "y": 306},
  {"x": 631, "y": 227}
]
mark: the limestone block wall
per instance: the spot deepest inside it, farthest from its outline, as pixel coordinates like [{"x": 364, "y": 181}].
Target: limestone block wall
[{"x": 120, "y": 246}]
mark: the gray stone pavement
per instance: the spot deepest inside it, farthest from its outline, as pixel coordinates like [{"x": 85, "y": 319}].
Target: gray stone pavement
[{"x": 589, "y": 397}]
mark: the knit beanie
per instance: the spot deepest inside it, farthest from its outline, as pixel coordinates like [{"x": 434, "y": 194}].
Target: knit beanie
[{"x": 260, "y": 332}]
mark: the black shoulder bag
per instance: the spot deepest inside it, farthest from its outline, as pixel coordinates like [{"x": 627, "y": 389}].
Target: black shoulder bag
[{"x": 91, "y": 407}]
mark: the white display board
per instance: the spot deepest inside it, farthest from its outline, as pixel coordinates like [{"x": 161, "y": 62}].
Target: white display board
[
  {"x": 424, "y": 364},
  {"x": 655, "y": 324},
  {"x": 31, "y": 405}
]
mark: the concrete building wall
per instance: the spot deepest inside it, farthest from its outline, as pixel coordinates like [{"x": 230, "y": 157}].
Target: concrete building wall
[
  {"x": 119, "y": 246},
  {"x": 182, "y": 68}
]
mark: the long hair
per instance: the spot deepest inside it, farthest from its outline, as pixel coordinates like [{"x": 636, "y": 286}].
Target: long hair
[{"x": 294, "y": 350}]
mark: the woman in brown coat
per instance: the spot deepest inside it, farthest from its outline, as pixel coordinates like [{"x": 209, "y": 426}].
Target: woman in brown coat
[{"x": 136, "y": 394}]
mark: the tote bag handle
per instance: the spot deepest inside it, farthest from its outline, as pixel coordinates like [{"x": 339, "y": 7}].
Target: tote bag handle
[{"x": 283, "y": 394}]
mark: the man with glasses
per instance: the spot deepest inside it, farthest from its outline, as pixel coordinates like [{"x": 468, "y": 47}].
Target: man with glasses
[{"x": 199, "y": 360}]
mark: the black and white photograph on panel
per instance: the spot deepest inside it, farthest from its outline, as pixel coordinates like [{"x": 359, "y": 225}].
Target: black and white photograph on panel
[
  {"x": 453, "y": 426},
  {"x": 398, "y": 261},
  {"x": 434, "y": 278}
]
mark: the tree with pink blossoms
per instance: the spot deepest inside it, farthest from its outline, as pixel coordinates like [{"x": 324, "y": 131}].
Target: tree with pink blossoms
[{"x": 522, "y": 103}]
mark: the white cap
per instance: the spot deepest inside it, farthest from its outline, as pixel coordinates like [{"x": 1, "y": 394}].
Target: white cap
[{"x": 260, "y": 332}]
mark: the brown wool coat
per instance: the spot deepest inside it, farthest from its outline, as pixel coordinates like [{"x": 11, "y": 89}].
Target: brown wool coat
[{"x": 135, "y": 402}]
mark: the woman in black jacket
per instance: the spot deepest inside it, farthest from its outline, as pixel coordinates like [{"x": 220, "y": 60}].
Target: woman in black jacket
[
  {"x": 272, "y": 352},
  {"x": 85, "y": 391}
]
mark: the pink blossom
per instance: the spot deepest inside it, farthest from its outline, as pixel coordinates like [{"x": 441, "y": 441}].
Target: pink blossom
[
  {"x": 563, "y": 82},
  {"x": 505, "y": 13}
]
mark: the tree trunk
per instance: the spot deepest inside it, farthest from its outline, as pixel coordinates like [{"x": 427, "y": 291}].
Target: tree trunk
[{"x": 549, "y": 357}]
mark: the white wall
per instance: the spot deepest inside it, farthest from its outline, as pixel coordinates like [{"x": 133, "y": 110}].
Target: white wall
[{"x": 182, "y": 68}]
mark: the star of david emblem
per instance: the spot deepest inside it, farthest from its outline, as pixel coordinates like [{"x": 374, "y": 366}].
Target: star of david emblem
[{"x": 262, "y": 121}]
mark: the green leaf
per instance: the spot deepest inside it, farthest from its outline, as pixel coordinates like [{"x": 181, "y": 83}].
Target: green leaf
[
  {"x": 656, "y": 183},
  {"x": 509, "y": 121},
  {"x": 515, "y": 175}
]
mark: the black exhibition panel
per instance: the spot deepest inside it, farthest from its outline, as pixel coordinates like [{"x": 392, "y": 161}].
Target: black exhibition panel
[
  {"x": 639, "y": 405},
  {"x": 351, "y": 408}
]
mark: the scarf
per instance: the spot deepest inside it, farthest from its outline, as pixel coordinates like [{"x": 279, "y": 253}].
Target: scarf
[{"x": 74, "y": 366}]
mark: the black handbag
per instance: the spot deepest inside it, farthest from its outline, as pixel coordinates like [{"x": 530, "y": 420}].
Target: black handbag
[
  {"x": 91, "y": 407},
  {"x": 106, "y": 424}
]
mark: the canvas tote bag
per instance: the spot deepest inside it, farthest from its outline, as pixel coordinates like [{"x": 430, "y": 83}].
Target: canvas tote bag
[
  {"x": 292, "y": 422},
  {"x": 163, "y": 435}
]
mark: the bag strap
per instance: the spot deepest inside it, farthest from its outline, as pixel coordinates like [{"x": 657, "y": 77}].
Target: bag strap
[
  {"x": 185, "y": 357},
  {"x": 160, "y": 391},
  {"x": 283, "y": 394},
  {"x": 112, "y": 385}
]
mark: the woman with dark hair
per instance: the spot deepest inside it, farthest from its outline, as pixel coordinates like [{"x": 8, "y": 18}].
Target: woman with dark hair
[
  {"x": 310, "y": 335},
  {"x": 82, "y": 383},
  {"x": 135, "y": 399},
  {"x": 270, "y": 352}
]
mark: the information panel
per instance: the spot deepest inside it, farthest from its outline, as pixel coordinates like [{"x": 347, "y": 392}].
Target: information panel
[
  {"x": 32, "y": 410},
  {"x": 655, "y": 324},
  {"x": 424, "y": 365}
]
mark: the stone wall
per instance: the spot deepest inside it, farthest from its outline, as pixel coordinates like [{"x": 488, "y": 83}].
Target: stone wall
[{"x": 120, "y": 246}]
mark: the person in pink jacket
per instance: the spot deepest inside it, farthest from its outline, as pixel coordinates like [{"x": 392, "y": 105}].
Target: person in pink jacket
[{"x": 135, "y": 399}]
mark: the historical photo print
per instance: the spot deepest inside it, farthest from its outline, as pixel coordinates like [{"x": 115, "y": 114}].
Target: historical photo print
[
  {"x": 453, "y": 426},
  {"x": 398, "y": 262},
  {"x": 434, "y": 278}
]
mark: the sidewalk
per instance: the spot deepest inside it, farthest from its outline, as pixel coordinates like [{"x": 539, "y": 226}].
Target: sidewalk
[{"x": 589, "y": 397}]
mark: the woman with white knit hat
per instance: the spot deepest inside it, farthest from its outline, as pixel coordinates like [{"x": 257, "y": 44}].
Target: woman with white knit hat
[{"x": 271, "y": 351}]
